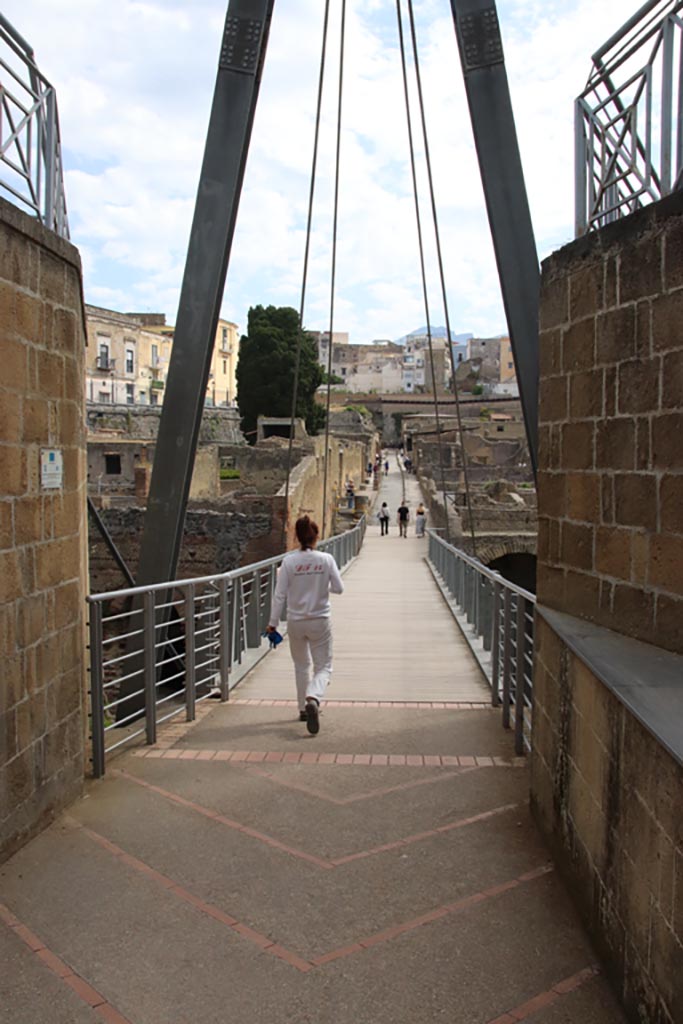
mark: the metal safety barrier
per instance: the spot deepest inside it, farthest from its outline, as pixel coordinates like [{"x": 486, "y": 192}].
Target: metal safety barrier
[
  {"x": 497, "y": 620},
  {"x": 31, "y": 170},
  {"x": 158, "y": 651},
  {"x": 629, "y": 118}
]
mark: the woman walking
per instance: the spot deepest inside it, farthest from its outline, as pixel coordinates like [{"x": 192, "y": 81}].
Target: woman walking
[
  {"x": 383, "y": 516},
  {"x": 305, "y": 580},
  {"x": 420, "y": 520}
]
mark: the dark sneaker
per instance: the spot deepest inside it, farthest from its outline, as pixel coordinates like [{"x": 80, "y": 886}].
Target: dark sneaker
[
  {"x": 303, "y": 717},
  {"x": 312, "y": 717}
]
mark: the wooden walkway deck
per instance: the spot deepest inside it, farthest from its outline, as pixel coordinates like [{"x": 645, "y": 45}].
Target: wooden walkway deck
[{"x": 395, "y": 639}]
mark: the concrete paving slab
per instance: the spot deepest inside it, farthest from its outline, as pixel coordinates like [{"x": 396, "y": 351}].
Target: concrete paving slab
[
  {"x": 29, "y": 992},
  {"x": 353, "y": 730},
  {"x": 391, "y": 815}
]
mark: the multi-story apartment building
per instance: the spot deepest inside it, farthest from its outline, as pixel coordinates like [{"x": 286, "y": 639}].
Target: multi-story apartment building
[
  {"x": 416, "y": 366},
  {"x": 125, "y": 362},
  {"x": 129, "y": 353}
]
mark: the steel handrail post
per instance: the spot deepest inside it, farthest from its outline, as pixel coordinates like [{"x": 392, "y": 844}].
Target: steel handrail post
[
  {"x": 495, "y": 647},
  {"x": 485, "y": 621},
  {"x": 190, "y": 658},
  {"x": 96, "y": 689},
  {"x": 519, "y": 676},
  {"x": 507, "y": 652},
  {"x": 150, "y": 666},
  {"x": 252, "y": 635},
  {"x": 224, "y": 640}
]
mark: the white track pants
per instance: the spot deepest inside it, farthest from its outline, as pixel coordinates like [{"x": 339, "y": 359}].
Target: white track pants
[{"x": 310, "y": 643}]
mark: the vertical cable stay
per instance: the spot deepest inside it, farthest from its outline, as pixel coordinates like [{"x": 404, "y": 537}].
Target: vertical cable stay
[
  {"x": 307, "y": 249},
  {"x": 418, "y": 218},
  {"x": 334, "y": 260},
  {"x": 437, "y": 236}
]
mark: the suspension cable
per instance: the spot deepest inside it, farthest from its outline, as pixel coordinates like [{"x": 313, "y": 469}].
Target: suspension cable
[
  {"x": 307, "y": 249},
  {"x": 437, "y": 235},
  {"x": 334, "y": 261},
  {"x": 418, "y": 218}
]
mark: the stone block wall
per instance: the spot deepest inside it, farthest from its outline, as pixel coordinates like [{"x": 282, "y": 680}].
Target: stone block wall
[
  {"x": 606, "y": 788},
  {"x": 42, "y": 532},
  {"x": 611, "y": 424},
  {"x": 609, "y": 799}
]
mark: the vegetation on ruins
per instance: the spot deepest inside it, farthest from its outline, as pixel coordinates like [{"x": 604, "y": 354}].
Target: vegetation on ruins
[{"x": 266, "y": 367}]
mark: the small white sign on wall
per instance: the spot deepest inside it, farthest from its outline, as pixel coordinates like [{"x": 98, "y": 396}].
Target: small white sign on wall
[{"x": 51, "y": 469}]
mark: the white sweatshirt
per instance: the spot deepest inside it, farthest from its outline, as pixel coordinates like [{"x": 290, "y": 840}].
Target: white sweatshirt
[{"x": 305, "y": 580}]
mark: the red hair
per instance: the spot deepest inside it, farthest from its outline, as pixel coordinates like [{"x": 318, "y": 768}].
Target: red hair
[{"x": 306, "y": 532}]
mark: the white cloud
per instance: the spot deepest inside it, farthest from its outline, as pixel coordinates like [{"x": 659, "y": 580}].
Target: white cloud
[{"x": 135, "y": 82}]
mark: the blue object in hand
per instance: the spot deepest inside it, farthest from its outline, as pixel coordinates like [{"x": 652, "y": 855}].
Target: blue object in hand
[{"x": 275, "y": 638}]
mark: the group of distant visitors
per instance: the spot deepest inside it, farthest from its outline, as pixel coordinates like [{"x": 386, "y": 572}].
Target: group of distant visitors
[{"x": 402, "y": 518}]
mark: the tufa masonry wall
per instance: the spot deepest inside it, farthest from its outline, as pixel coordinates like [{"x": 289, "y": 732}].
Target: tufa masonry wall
[
  {"x": 42, "y": 532},
  {"x": 607, "y": 785}
]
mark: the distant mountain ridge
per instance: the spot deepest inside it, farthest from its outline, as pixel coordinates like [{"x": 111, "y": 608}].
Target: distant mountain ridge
[{"x": 437, "y": 332}]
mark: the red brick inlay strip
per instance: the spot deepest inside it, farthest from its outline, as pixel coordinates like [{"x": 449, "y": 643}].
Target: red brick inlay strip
[
  {"x": 311, "y": 757},
  {"x": 274, "y": 949},
  {"x": 431, "y": 915},
  {"x": 545, "y": 999},
  {"x": 83, "y": 990},
  {"x": 262, "y": 941},
  {"x": 302, "y": 855}
]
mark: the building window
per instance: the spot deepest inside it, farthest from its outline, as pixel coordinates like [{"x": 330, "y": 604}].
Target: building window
[
  {"x": 509, "y": 366},
  {"x": 102, "y": 354},
  {"x": 143, "y": 397},
  {"x": 343, "y": 371},
  {"x": 155, "y": 355},
  {"x": 130, "y": 360},
  {"x": 225, "y": 366},
  {"x": 112, "y": 465},
  {"x": 130, "y": 394},
  {"x": 153, "y": 398},
  {"x": 104, "y": 396},
  {"x": 224, "y": 337}
]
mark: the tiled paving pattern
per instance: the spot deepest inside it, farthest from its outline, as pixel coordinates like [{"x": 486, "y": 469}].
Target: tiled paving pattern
[{"x": 386, "y": 871}]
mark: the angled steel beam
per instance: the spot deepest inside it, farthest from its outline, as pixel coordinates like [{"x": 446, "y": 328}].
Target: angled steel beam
[
  {"x": 220, "y": 184},
  {"x": 238, "y": 79},
  {"x": 500, "y": 165}
]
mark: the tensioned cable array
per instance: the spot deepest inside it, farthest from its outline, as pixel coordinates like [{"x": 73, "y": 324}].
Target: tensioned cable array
[
  {"x": 437, "y": 236},
  {"x": 334, "y": 261},
  {"x": 418, "y": 219},
  {"x": 311, "y": 194}
]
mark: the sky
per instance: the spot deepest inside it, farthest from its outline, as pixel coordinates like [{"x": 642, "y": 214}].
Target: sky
[{"x": 135, "y": 81}]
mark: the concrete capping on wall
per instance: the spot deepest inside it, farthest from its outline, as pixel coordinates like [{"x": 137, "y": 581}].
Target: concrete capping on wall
[{"x": 647, "y": 680}]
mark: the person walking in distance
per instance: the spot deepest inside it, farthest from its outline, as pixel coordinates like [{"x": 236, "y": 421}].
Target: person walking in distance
[
  {"x": 305, "y": 580},
  {"x": 420, "y": 520},
  {"x": 403, "y": 516},
  {"x": 383, "y": 516}
]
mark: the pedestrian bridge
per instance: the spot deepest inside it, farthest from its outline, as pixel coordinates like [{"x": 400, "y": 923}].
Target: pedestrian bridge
[{"x": 385, "y": 870}]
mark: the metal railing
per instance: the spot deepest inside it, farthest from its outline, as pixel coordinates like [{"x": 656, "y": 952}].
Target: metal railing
[
  {"x": 156, "y": 652},
  {"x": 497, "y": 620},
  {"x": 628, "y": 129},
  {"x": 31, "y": 171}
]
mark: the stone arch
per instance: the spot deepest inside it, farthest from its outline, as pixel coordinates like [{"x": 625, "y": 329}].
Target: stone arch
[{"x": 497, "y": 547}]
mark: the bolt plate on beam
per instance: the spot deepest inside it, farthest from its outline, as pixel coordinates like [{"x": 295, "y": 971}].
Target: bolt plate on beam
[
  {"x": 241, "y": 45},
  {"x": 480, "y": 40}
]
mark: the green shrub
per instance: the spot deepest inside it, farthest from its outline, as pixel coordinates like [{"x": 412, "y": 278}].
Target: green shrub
[{"x": 230, "y": 474}]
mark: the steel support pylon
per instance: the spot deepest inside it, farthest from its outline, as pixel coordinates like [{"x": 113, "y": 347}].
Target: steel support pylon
[
  {"x": 220, "y": 185},
  {"x": 493, "y": 124},
  {"x": 238, "y": 79}
]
